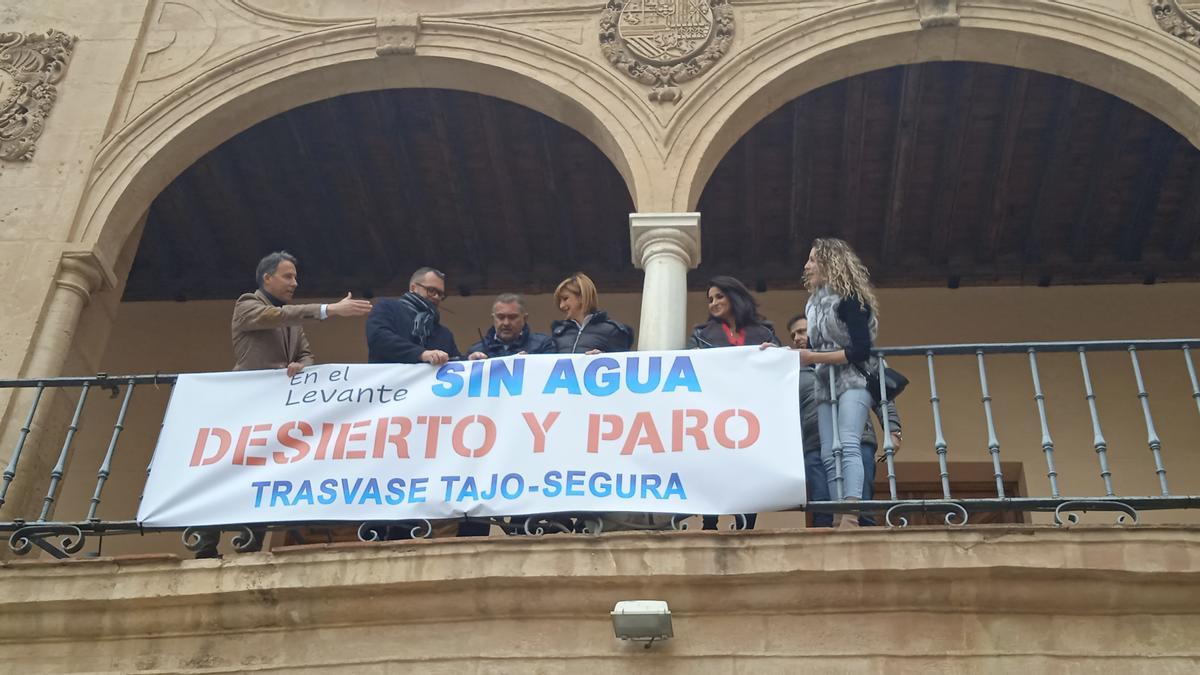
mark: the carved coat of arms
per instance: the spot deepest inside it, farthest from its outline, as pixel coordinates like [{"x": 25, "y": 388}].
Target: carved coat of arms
[
  {"x": 30, "y": 66},
  {"x": 1180, "y": 18},
  {"x": 664, "y": 42}
]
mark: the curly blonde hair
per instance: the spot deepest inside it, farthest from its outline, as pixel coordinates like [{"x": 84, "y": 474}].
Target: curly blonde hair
[{"x": 844, "y": 272}]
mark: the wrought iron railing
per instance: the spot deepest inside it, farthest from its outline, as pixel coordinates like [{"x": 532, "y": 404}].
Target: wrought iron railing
[{"x": 64, "y": 537}]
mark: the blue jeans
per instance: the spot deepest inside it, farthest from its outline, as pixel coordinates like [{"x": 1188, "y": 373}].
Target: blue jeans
[
  {"x": 818, "y": 485},
  {"x": 854, "y": 406}
]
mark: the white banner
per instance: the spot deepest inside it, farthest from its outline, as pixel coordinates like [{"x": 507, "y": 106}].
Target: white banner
[{"x": 713, "y": 431}]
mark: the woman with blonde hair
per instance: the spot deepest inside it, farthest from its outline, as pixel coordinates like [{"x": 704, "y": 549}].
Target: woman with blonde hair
[
  {"x": 585, "y": 329},
  {"x": 843, "y": 321}
]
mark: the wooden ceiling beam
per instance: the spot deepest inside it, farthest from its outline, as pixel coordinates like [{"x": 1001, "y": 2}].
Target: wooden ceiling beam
[
  {"x": 565, "y": 225},
  {"x": 417, "y": 210},
  {"x": 1006, "y": 144},
  {"x": 800, "y": 199},
  {"x": 950, "y": 170},
  {"x": 1054, "y": 170},
  {"x": 451, "y": 151},
  {"x": 1187, "y": 228},
  {"x": 355, "y": 187},
  {"x": 903, "y": 150},
  {"x": 749, "y": 241},
  {"x": 1101, "y": 172},
  {"x": 311, "y": 232},
  {"x": 1140, "y": 220},
  {"x": 516, "y": 245},
  {"x": 854, "y": 129}
]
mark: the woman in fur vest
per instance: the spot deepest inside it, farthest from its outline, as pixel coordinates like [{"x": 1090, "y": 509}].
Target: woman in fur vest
[{"x": 843, "y": 321}]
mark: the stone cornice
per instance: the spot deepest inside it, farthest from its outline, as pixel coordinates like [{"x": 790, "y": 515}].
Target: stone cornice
[
  {"x": 875, "y": 556},
  {"x": 963, "y": 593}
]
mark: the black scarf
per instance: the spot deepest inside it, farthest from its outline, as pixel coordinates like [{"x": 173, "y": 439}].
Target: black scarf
[
  {"x": 272, "y": 299},
  {"x": 425, "y": 316}
]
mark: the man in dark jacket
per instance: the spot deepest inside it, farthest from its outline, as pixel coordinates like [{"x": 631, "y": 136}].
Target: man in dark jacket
[
  {"x": 408, "y": 329},
  {"x": 510, "y": 332}
]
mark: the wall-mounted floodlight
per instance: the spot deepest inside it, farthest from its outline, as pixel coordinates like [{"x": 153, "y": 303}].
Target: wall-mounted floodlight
[{"x": 642, "y": 621}]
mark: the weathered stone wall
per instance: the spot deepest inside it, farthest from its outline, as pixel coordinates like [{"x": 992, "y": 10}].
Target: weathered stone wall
[{"x": 1087, "y": 600}]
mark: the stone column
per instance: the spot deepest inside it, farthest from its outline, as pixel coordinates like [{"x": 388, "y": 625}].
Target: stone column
[
  {"x": 79, "y": 276},
  {"x": 665, "y": 245}
]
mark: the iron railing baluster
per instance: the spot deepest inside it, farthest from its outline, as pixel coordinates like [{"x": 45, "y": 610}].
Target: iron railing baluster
[
  {"x": 1047, "y": 441},
  {"x": 1191, "y": 367},
  {"x": 106, "y": 465},
  {"x": 836, "y": 444},
  {"x": 889, "y": 448},
  {"x": 939, "y": 439},
  {"x": 1098, "y": 441},
  {"x": 993, "y": 440},
  {"x": 56, "y": 475},
  {"x": 1152, "y": 438},
  {"x": 10, "y": 472}
]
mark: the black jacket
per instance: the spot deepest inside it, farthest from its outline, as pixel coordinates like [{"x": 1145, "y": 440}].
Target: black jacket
[
  {"x": 597, "y": 332},
  {"x": 711, "y": 334},
  {"x": 528, "y": 342},
  {"x": 390, "y": 336}
]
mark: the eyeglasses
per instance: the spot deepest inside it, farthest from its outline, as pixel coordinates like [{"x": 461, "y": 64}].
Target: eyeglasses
[{"x": 433, "y": 291}]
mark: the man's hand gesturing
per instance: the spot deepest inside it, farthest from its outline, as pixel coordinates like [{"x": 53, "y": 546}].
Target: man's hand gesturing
[{"x": 348, "y": 306}]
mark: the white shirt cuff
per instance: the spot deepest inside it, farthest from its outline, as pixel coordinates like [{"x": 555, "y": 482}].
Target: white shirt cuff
[{"x": 324, "y": 312}]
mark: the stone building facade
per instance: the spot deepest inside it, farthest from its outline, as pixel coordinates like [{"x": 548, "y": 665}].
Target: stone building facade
[{"x": 103, "y": 104}]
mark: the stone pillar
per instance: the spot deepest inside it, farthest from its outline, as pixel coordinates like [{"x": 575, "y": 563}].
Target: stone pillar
[
  {"x": 79, "y": 276},
  {"x": 665, "y": 245}
]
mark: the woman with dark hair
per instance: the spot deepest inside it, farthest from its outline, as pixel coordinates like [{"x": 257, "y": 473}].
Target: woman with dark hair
[
  {"x": 585, "y": 328},
  {"x": 733, "y": 318},
  {"x": 733, "y": 321}
]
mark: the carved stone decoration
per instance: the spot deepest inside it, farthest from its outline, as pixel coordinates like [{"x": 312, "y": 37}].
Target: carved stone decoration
[
  {"x": 30, "y": 65},
  {"x": 664, "y": 42},
  {"x": 1181, "y": 19},
  {"x": 938, "y": 13},
  {"x": 397, "y": 33}
]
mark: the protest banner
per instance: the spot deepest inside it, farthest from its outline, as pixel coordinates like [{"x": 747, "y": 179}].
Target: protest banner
[{"x": 713, "y": 431}]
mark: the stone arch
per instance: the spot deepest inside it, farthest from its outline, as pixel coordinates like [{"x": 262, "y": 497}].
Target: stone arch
[
  {"x": 1144, "y": 66},
  {"x": 141, "y": 159}
]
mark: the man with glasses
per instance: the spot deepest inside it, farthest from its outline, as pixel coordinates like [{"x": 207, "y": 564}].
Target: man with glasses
[
  {"x": 510, "y": 332},
  {"x": 408, "y": 329}
]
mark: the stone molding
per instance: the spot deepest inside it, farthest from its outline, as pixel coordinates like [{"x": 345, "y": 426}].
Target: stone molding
[
  {"x": 31, "y": 64},
  {"x": 657, "y": 234},
  {"x": 1173, "y": 18},
  {"x": 665, "y": 71}
]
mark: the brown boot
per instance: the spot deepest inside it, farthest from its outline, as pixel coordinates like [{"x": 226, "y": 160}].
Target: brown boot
[{"x": 848, "y": 521}]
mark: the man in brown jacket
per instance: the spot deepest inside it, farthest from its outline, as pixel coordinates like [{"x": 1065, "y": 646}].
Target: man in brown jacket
[
  {"x": 267, "y": 334},
  {"x": 267, "y": 331}
]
